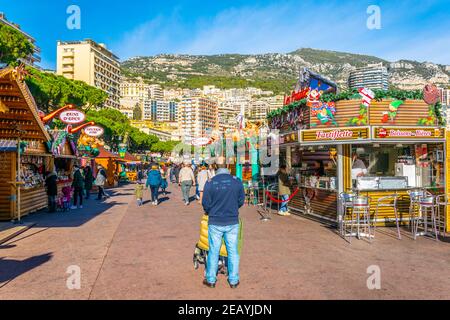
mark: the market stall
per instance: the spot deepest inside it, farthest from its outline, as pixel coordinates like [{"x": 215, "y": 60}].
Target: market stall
[
  {"x": 24, "y": 154},
  {"x": 107, "y": 159},
  {"x": 128, "y": 167},
  {"x": 357, "y": 144},
  {"x": 64, "y": 158}
]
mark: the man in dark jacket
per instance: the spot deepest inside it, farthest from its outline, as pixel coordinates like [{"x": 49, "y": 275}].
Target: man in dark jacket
[
  {"x": 88, "y": 180},
  {"x": 222, "y": 198},
  {"x": 78, "y": 187},
  {"x": 52, "y": 190}
]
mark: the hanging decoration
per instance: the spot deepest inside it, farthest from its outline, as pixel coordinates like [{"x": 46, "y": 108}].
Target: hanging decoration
[
  {"x": 367, "y": 96},
  {"x": 59, "y": 140},
  {"x": 392, "y": 113},
  {"x": 431, "y": 94},
  {"x": 325, "y": 112},
  {"x": 313, "y": 98},
  {"x": 431, "y": 119}
]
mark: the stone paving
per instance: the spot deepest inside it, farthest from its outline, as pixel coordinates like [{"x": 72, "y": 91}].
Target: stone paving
[{"x": 130, "y": 252}]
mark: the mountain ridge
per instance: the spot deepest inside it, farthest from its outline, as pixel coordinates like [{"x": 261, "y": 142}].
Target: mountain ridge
[{"x": 275, "y": 71}]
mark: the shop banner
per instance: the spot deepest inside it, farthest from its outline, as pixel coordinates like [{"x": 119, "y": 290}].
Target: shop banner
[
  {"x": 396, "y": 133},
  {"x": 341, "y": 134}
]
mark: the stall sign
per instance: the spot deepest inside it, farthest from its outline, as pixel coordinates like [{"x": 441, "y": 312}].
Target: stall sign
[
  {"x": 94, "y": 131},
  {"x": 289, "y": 138},
  {"x": 72, "y": 116},
  {"x": 408, "y": 133},
  {"x": 340, "y": 134}
]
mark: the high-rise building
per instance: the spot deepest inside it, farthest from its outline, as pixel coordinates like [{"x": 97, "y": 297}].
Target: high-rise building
[
  {"x": 227, "y": 115},
  {"x": 155, "y": 92},
  {"x": 92, "y": 63},
  {"x": 197, "y": 117},
  {"x": 373, "y": 76},
  {"x": 33, "y": 58},
  {"x": 445, "y": 96},
  {"x": 160, "y": 111}
]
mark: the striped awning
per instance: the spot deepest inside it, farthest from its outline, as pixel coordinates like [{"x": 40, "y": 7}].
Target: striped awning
[{"x": 8, "y": 145}]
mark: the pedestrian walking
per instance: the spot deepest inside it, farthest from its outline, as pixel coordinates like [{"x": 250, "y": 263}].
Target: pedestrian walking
[
  {"x": 52, "y": 190},
  {"x": 139, "y": 192},
  {"x": 164, "y": 183},
  {"x": 195, "y": 169},
  {"x": 154, "y": 181},
  {"x": 100, "y": 183},
  {"x": 176, "y": 173},
  {"x": 187, "y": 180},
  {"x": 202, "y": 177},
  {"x": 88, "y": 180},
  {"x": 78, "y": 188},
  {"x": 284, "y": 189},
  {"x": 222, "y": 198}
]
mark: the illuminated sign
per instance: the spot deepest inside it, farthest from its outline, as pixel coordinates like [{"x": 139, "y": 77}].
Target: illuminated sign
[{"x": 72, "y": 116}]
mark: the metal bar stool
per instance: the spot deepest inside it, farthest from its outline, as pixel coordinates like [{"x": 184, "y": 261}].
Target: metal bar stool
[
  {"x": 442, "y": 201},
  {"x": 361, "y": 208},
  {"x": 414, "y": 196},
  {"x": 346, "y": 203},
  {"x": 388, "y": 202},
  {"x": 427, "y": 204}
]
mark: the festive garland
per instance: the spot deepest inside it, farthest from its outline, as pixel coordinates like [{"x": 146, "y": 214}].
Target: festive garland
[{"x": 362, "y": 118}]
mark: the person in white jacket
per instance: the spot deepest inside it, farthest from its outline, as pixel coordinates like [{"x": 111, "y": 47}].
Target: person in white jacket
[
  {"x": 186, "y": 181},
  {"x": 202, "y": 177}
]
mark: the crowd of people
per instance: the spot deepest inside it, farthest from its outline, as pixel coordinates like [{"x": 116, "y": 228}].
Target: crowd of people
[
  {"x": 186, "y": 175},
  {"x": 72, "y": 197}
]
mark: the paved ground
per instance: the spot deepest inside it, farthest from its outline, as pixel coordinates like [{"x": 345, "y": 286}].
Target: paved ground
[{"x": 130, "y": 252}]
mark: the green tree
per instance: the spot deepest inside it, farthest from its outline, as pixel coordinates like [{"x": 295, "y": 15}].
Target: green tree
[
  {"x": 117, "y": 124},
  {"x": 137, "y": 112},
  {"x": 51, "y": 91},
  {"x": 13, "y": 45}
]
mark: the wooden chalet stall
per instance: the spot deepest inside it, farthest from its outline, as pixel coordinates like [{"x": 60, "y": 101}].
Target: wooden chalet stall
[
  {"x": 24, "y": 156},
  {"x": 128, "y": 166},
  {"x": 107, "y": 160},
  {"x": 373, "y": 148}
]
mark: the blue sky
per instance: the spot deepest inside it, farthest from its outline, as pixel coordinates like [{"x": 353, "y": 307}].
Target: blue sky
[{"x": 409, "y": 29}]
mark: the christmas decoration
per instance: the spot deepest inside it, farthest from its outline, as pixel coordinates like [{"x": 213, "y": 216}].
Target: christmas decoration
[
  {"x": 324, "y": 112},
  {"x": 392, "y": 113},
  {"x": 431, "y": 94},
  {"x": 367, "y": 96}
]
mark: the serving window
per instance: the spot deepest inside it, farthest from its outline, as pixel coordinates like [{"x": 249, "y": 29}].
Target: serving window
[{"x": 398, "y": 166}]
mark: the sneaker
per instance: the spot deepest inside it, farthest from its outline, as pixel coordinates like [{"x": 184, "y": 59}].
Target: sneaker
[
  {"x": 80, "y": 207},
  {"x": 197, "y": 197},
  {"x": 186, "y": 203},
  {"x": 73, "y": 207}
]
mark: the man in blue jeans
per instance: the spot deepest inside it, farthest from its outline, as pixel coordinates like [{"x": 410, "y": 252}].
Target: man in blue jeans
[{"x": 222, "y": 198}]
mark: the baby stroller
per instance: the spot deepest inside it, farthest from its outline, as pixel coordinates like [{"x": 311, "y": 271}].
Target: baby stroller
[
  {"x": 202, "y": 247},
  {"x": 65, "y": 199}
]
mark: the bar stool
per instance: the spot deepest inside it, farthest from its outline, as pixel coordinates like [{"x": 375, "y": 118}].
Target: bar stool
[
  {"x": 427, "y": 203},
  {"x": 361, "y": 208},
  {"x": 346, "y": 203},
  {"x": 442, "y": 201},
  {"x": 388, "y": 202},
  {"x": 414, "y": 196}
]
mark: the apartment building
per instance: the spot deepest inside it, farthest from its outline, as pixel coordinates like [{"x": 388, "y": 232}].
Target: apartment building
[
  {"x": 33, "y": 58},
  {"x": 155, "y": 92},
  {"x": 445, "y": 96},
  {"x": 160, "y": 111},
  {"x": 197, "y": 116},
  {"x": 92, "y": 63},
  {"x": 373, "y": 76},
  {"x": 227, "y": 117},
  {"x": 134, "y": 89}
]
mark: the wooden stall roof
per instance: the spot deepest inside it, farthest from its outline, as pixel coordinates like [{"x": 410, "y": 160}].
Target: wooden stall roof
[
  {"x": 18, "y": 109},
  {"x": 129, "y": 158},
  {"x": 104, "y": 154}
]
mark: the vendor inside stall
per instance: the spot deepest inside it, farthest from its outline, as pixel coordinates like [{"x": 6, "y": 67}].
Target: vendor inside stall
[{"x": 398, "y": 166}]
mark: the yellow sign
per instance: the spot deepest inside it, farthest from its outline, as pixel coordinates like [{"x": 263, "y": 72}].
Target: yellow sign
[{"x": 337, "y": 134}]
